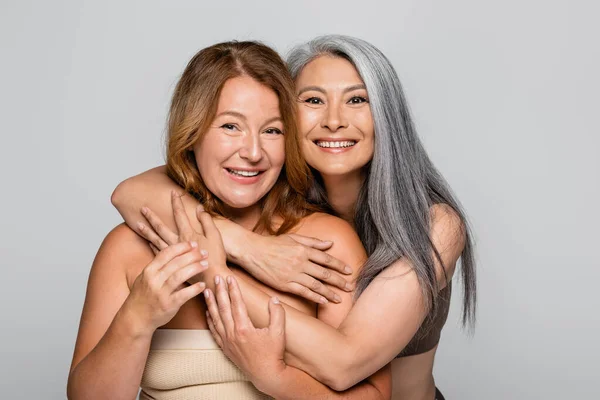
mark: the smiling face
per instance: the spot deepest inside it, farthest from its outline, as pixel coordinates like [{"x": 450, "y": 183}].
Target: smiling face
[
  {"x": 335, "y": 121},
  {"x": 241, "y": 154}
]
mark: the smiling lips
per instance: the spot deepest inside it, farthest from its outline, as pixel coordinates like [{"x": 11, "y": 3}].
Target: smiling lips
[
  {"x": 244, "y": 176},
  {"x": 335, "y": 146}
]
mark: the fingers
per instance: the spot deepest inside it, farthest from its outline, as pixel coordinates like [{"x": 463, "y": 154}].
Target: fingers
[
  {"x": 238, "y": 306},
  {"x": 303, "y": 291},
  {"x": 213, "y": 310},
  {"x": 169, "y": 253},
  {"x": 208, "y": 226},
  {"x": 155, "y": 249},
  {"x": 277, "y": 312},
  {"x": 318, "y": 287},
  {"x": 327, "y": 260},
  {"x": 311, "y": 242},
  {"x": 181, "y": 219},
  {"x": 224, "y": 305},
  {"x": 151, "y": 236},
  {"x": 159, "y": 227},
  {"x": 328, "y": 276},
  {"x": 213, "y": 330},
  {"x": 182, "y": 268},
  {"x": 184, "y": 295},
  {"x": 199, "y": 211}
]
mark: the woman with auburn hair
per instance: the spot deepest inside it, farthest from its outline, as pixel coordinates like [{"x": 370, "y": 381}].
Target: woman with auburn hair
[
  {"x": 371, "y": 169},
  {"x": 230, "y": 126}
]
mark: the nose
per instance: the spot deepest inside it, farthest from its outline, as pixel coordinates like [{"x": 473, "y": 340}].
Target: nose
[
  {"x": 334, "y": 118},
  {"x": 251, "y": 149}
]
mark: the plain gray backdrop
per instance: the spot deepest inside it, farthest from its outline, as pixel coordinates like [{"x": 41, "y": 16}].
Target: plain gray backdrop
[{"x": 505, "y": 95}]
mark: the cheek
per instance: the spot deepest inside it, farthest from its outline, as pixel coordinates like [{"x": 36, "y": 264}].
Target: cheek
[
  {"x": 307, "y": 119},
  {"x": 276, "y": 152}
]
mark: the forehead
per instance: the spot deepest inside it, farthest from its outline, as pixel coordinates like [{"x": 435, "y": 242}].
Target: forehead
[
  {"x": 247, "y": 96},
  {"x": 328, "y": 71}
]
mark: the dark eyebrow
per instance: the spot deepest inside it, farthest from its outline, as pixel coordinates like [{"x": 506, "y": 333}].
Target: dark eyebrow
[
  {"x": 233, "y": 114},
  {"x": 309, "y": 88},
  {"x": 321, "y": 90},
  {"x": 355, "y": 87}
]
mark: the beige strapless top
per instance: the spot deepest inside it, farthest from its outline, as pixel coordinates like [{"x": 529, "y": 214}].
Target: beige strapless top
[{"x": 186, "y": 364}]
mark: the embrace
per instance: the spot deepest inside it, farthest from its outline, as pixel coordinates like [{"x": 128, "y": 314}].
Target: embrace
[{"x": 298, "y": 244}]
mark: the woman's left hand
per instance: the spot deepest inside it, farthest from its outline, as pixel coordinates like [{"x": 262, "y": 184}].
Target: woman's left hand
[
  {"x": 208, "y": 238},
  {"x": 258, "y": 352}
]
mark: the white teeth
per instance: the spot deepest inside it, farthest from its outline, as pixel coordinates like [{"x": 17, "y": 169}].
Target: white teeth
[
  {"x": 344, "y": 144},
  {"x": 243, "y": 173}
]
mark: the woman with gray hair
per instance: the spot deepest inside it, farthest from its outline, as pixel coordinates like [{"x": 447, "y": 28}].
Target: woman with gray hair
[{"x": 371, "y": 169}]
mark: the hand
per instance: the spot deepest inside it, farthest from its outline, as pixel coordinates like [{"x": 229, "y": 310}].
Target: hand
[
  {"x": 257, "y": 352},
  {"x": 298, "y": 264},
  {"x": 159, "y": 291},
  {"x": 208, "y": 238}
]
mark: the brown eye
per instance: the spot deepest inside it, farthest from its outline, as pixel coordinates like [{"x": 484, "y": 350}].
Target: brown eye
[
  {"x": 313, "y": 100},
  {"x": 228, "y": 127},
  {"x": 273, "y": 131},
  {"x": 358, "y": 100}
]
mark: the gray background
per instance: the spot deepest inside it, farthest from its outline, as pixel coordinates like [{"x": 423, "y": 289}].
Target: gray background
[{"x": 505, "y": 96}]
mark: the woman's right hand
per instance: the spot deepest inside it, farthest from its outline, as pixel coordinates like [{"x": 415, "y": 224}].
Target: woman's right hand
[
  {"x": 297, "y": 264},
  {"x": 159, "y": 291}
]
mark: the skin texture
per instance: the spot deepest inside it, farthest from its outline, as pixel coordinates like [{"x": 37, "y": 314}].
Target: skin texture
[
  {"x": 391, "y": 309},
  {"x": 333, "y": 105},
  {"x": 246, "y": 134},
  {"x": 129, "y": 295}
]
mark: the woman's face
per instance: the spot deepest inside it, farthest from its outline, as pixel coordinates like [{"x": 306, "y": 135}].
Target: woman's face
[
  {"x": 242, "y": 153},
  {"x": 335, "y": 121}
]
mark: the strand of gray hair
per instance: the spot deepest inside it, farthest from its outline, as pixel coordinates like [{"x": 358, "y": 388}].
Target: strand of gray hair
[{"x": 392, "y": 215}]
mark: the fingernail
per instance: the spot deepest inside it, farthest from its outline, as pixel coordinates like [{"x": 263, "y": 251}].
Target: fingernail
[
  {"x": 275, "y": 300},
  {"x": 229, "y": 279},
  {"x": 328, "y": 242},
  {"x": 323, "y": 300},
  {"x": 204, "y": 263},
  {"x": 337, "y": 298},
  {"x": 173, "y": 193},
  {"x": 349, "y": 286},
  {"x": 217, "y": 280},
  {"x": 204, "y": 253},
  {"x": 194, "y": 244},
  {"x": 140, "y": 226},
  {"x": 207, "y": 294},
  {"x": 144, "y": 210},
  {"x": 347, "y": 269}
]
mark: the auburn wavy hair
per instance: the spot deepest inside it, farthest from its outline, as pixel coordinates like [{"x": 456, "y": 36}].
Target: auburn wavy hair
[{"x": 194, "y": 106}]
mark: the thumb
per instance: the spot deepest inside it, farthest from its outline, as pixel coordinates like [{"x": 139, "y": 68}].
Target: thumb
[
  {"x": 277, "y": 312},
  {"x": 199, "y": 211},
  {"x": 312, "y": 242}
]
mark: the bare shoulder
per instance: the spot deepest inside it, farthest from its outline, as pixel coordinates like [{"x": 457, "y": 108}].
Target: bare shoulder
[
  {"x": 346, "y": 243},
  {"x": 448, "y": 234},
  {"x": 125, "y": 251},
  {"x": 328, "y": 227}
]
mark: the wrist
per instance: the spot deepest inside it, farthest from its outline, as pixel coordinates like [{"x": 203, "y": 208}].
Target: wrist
[
  {"x": 275, "y": 383},
  {"x": 130, "y": 325}
]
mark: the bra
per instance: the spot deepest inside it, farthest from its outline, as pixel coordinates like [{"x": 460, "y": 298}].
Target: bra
[
  {"x": 188, "y": 364},
  {"x": 428, "y": 335}
]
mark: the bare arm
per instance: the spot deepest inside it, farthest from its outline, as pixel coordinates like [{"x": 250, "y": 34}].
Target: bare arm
[
  {"x": 390, "y": 309},
  {"x": 289, "y": 263},
  {"x": 292, "y": 381},
  {"x": 117, "y": 324}
]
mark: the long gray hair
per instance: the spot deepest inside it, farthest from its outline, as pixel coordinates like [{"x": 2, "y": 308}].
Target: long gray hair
[{"x": 392, "y": 214}]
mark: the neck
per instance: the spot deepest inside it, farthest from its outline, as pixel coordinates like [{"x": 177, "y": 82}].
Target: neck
[
  {"x": 245, "y": 217},
  {"x": 342, "y": 193}
]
